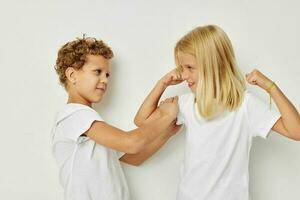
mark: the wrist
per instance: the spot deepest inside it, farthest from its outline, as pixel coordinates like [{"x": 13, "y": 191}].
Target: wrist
[
  {"x": 274, "y": 90},
  {"x": 270, "y": 87},
  {"x": 161, "y": 83}
]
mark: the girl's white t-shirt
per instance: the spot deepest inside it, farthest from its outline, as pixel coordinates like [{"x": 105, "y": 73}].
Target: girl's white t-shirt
[
  {"x": 87, "y": 170},
  {"x": 217, "y": 151}
]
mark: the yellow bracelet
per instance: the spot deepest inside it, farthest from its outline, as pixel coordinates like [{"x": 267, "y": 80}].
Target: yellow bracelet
[
  {"x": 270, "y": 87},
  {"x": 269, "y": 90}
]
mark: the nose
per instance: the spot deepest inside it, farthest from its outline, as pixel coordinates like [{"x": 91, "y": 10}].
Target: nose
[{"x": 103, "y": 79}]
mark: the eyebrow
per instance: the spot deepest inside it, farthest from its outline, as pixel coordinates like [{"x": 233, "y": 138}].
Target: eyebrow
[
  {"x": 99, "y": 68},
  {"x": 187, "y": 65}
]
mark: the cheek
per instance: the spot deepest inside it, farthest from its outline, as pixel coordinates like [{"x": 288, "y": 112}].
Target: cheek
[
  {"x": 89, "y": 82},
  {"x": 195, "y": 76}
]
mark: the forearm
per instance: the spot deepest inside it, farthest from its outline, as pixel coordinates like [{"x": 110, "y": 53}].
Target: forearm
[
  {"x": 153, "y": 129},
  {"x": 289, "y": 114},
  {"x": 146, "y": 153},
  {"x": 150, "y": 103}
]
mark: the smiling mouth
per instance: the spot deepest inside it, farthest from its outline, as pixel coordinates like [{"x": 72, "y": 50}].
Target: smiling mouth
[{"x": 101, "y": 89}]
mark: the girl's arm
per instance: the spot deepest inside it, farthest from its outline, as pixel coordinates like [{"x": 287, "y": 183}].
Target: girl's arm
[
  {"x": 149, "y": 150},
  {"x": 136, "y": 140},
  {"x": 289, "y": 123},
  {"x": 150, "y": 103}
]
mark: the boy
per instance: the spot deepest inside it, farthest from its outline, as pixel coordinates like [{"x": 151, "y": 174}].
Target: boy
[{"x": 86, "y": 148}]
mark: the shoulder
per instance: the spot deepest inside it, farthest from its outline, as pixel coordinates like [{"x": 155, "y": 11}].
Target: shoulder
[
  {"x": 72, "y": 110},
  {"x": 184, "y": 99},
  {"x": 251, "y": 99},
  {"x": 73, "y": 120}
]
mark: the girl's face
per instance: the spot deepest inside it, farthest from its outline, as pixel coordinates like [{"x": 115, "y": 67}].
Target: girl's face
[
  {"x": 189, "y": 71},
  {"x": 92, "y": 79}
]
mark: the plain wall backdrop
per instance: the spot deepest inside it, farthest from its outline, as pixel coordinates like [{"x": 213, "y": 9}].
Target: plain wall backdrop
[{"x": 264, "y": 33}]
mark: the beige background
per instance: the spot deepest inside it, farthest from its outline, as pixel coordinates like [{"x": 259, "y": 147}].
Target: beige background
[{"x": 265, "y": 35}]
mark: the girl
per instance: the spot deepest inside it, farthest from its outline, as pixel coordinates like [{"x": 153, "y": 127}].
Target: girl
[
  {"x": 85, "y": 147},
  {"x": 221, "y": 117}
]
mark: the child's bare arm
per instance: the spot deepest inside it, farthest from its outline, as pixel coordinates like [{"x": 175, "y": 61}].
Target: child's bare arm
[
  {"x": 150, "y": 104},
  {"x": 149, "y": 150},
  {"x": 151, "y": 101},
  {"x": 134, "y": 141},
  {"x": 289, "y": 123}
]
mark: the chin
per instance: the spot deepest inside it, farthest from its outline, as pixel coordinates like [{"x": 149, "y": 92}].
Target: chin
[
  {"x": 193, "y": 90},
  {"x": 96, "y": 99}
]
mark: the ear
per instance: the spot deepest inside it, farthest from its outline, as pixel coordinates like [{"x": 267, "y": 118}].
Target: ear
[{"x": 71, "y": 75}]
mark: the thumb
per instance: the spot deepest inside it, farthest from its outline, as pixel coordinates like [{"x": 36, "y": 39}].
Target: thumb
[{"x": 175, "y": 99}]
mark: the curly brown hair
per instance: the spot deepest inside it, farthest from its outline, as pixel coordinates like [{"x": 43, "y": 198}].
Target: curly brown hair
[{"x": 74, "y": 53}]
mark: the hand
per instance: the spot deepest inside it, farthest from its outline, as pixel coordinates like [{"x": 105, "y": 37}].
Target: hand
[
  {"x": 169, "y": 107},
  {"x": 258, "y": 78},
  {"x": 173, "y": 128},
  {"x": 171, "y": 78}
]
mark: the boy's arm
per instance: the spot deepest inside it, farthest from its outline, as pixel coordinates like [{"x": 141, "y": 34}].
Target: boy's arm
[
  {"x": 149, "y": 150},
  {"x": 136, "y": 140},
  {"x": 150, "y": 103},
  {"x": 288, "y": 124}
]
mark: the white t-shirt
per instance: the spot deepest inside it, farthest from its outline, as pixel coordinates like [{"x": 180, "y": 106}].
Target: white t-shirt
[
  {"x": 217, "y": 151},
  {"x": 88, "y": 171}
]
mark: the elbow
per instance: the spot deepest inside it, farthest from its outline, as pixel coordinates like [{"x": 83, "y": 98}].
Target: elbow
[
  {"x": 297, "y": 136},
  {"x": 136, "y": 163},
  {"x": 297, "y": 133},
  {"x": 133, "y": 162},
  {"x": 137, "y": 122}
]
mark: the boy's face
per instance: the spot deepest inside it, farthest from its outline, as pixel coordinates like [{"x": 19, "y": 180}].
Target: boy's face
[
  {"x": 92, "y": 80},
  {"x": 189, "y": 70}
]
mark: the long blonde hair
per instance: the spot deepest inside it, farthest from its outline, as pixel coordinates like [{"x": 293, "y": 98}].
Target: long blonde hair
[{"x": 220, "y": 84}]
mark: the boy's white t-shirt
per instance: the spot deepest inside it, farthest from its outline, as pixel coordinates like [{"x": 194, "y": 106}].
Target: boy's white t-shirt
[
  {"x": 87, "y": 170},
  {"x": 217, "y": 151}
]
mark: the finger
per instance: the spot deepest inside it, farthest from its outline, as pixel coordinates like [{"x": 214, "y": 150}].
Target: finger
[
  {"x": 162, "y": 102},
  {"x": 252, "y": 80},
  {"x": 175, "y": 77},
  {"x": 177, "y": 127},
  {"x": 167, "y": 100},
  {"x": 170, "y": 99},
  {"x": 249, "y": 77},
  {"x": 178, "y": 76}
]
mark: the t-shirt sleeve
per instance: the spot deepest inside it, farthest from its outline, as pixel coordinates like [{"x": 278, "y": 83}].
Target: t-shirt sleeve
[
  {"x": 261, "y": 117},
  {"x": 120, "y": 154},
  {"x": 182, "y": 100},
  {"x": 180, "y": 119},
  {"x": 78, "y": 123}
]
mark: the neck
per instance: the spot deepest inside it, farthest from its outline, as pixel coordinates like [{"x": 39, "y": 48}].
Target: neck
[{"x": 79, "y": 100}]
